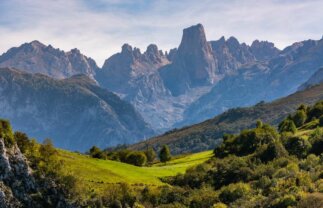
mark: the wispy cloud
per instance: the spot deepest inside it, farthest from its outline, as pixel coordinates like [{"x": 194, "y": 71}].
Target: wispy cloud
[{"x": 99, "y": 27}]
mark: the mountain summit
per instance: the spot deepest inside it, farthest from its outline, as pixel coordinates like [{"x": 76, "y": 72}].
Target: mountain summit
[
  {"x": 193, "y": 64},
  {"x": 36, "y": 57}
]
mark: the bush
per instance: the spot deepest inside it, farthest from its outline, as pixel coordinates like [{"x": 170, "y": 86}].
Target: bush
[
  {"x": 314, "y": 200},
  {"x": 271, "y": 151},
  {"x": 285, "y": 201},
  {"x": 233, "y": 192},
  {"x": 299, "y": 118},
  {"x": 298, "y": 146},
  {"x": 23, "y": 141},
  {"x": 287, "y": 125},
  {"x": 230, "y": 170},
  {"x": 316, "y": 139},
  {"x": 316, "y": 111},
  {"x": 96, "y": 152},
  {"x": 219, "y": 205},
  {"x": 246, "y": 142},
  {"x": 6, "y": 133},
  {"x": 136, "y": 158}
]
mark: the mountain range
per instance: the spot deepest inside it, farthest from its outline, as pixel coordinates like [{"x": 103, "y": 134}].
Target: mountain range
[
  {"x": 159, "y": 90},
  {"x": 74, "y": 112}
]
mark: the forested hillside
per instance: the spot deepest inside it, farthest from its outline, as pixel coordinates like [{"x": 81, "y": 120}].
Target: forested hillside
[{"x": 207, "y": 134}]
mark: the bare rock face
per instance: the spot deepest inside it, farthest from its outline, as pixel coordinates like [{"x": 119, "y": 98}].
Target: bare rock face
[
  {"x": 261, "y": 81},
  {"x": 134, "y": 77},
  {"x": 231, "y": 55},
  {"x": 120, "y": 70},
  {"x": 36, "y": 57},
  {"x": 193, "y": 65},
  {"x": 16, "y": 181},
  {"x": 263, "y": 50},
  {"x": 315, "y": 79}
]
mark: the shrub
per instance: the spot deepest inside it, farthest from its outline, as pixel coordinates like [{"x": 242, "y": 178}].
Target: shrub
[
  {"x": 316, "y": 139},
  {"x": 285, "y": 201},
  {"x": 316, "y": 111},
  {"x": 6, "y": 133},
  {"x": 268, "y": 152},
  {"x": 233, "y": 192},
  {"x": 287, "y": 125},
  {"x": 23, "y": 141},
  {"x": 298, "y": 146},
  {"x": 299, "y": 118},
  {"x": 246, "y": 142},
  {"x": 230, "y": 170},
  {"x": 219, "y": 205},
  {"x": 96, "y": 152},
  {"x": 314, "y": 200},
  {"x": 136, "y": 158}
]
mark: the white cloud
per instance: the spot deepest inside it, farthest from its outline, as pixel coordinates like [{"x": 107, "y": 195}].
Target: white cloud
[{"x": 99, "y": 28}]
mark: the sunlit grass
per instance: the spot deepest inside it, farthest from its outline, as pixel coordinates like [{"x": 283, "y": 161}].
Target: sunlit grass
[{"x": 96, "y": 175}]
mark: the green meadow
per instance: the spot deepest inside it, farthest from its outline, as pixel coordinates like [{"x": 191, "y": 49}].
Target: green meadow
[{"x": 96, "y": 175}]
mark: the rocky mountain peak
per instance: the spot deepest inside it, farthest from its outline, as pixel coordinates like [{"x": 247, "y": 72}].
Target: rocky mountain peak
[
  {"x": 194, "y": 39},
  {"x": 126, "y": 49},
  {"x": 193, "y": 65},
  {"x": 152, "y": 49},
  {"x": 233, "y": 42},
  {"x": 264, "y": 50},
  {"x": 36, "y": 44},
  {"x": 35, "y": 57},
  {"x": 75, "y": 51}
]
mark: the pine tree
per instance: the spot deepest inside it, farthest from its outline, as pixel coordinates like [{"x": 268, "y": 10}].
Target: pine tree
[{"x": 164, "y": 154}]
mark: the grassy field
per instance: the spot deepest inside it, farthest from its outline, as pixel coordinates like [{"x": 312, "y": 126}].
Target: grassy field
[{"x": 96, "y": 175}]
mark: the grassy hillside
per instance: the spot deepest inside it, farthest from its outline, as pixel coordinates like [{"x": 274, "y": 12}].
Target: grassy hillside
[
  {"x": 206, "y": 135},
  {"x": 98, "y": 174}
]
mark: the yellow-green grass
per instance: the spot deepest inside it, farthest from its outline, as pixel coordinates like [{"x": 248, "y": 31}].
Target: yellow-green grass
[{"x": 98, "y": 174}]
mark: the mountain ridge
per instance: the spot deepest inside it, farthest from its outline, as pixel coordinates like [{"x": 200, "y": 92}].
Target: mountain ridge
[
  {"x": 207, "y": 134},
  {"x": 74, "y": 112}
]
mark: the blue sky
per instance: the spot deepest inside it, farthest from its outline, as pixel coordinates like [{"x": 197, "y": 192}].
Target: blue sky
[{"x": 99, "y": 27}]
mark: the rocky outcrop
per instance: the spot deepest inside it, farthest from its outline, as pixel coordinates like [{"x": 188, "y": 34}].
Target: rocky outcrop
[
  {"x": 263, "y": 50},
  {"x": 193, "y": 65},
  {"x": 75, "y": 113},
  {"x": 35, "y": 57},
  {"x": 16, "y": 182},
  {"x": 122, "y": 69},
  {"x": 231, "y": 55}
]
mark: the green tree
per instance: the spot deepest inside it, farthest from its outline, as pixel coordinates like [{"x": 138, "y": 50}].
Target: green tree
[
  {"x": 48, "y": 164},
  {"x": 316, "y": 139},
  {"x": 23, "y": 141},
  {"x": 298, "y": 146},
  {"x": 233, "y": 192},
  {"x": 164, "y": 154},
  {"x": 287, "y": 125},
  {"x": 299, "y": 118},
  {"x": 150, "y": 154},
  {"x": 137, "y": 158},
  {"x": 96, "y": 152},
  {"x": 316, "y": 111}
]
